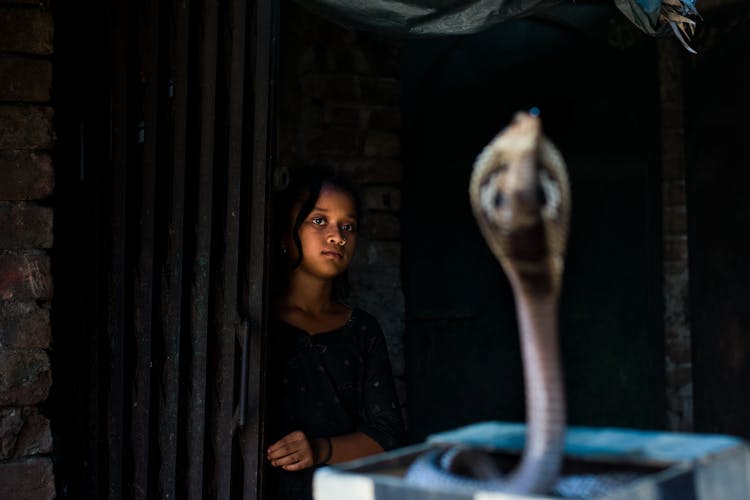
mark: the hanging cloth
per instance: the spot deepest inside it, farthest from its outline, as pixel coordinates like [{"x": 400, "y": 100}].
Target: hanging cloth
[
  {"x": 424, "y": 17},
  {"x": 456, "y": 17}
]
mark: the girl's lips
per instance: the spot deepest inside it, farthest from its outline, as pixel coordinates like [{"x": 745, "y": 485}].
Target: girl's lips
[{"x": 333, "y": 254}]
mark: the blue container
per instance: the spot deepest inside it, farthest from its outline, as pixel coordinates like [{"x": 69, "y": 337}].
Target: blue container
[{"x": 650, "y": 465}]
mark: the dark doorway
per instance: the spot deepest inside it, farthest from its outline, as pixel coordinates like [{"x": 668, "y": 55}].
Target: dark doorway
[
  {"x": 717, "y": 106},
  {"x": 595, "y": 83}
]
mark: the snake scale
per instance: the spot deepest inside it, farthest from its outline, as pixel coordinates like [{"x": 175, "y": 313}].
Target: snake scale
[{"x": 520, "y": 196}]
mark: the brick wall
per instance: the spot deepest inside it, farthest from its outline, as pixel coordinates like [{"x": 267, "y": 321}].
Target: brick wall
[
  {"x": 26, "y": 183},
  {"x": 340, "y": 106},
  {"x": 678, "y": 355}
]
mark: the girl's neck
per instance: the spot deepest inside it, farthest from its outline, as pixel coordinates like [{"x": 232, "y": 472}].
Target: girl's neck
[
  {"x": 308, "y": 294},
  {"x": 307, "y": 305}
]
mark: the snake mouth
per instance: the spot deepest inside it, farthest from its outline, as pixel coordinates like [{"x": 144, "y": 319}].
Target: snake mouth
[{"x": 513, "y": 208}]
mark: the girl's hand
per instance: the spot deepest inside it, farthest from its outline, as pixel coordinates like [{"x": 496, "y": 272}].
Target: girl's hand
[{"x": 292, "y": 452}]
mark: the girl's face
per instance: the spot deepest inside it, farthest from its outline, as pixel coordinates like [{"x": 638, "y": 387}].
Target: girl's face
[{"x": 328, "y": 234}]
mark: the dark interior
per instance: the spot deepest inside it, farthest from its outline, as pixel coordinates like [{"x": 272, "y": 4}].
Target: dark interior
[
  {"x": 718, "y": 158},
  {"x": 463, "y": 358}
]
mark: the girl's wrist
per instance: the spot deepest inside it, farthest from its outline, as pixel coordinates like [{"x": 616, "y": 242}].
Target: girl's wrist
[{"x": 323, "y": 450}]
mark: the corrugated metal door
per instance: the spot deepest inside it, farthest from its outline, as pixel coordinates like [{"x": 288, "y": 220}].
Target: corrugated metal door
[{"x": 181, "y": 196}]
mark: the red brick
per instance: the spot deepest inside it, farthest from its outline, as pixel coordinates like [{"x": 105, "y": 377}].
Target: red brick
[
  {"x": 380, "y": 90},
  {"x": 377, "y": 254},
  {"x": 331, "y": 87},
  {"x": 37, "y": 3},
  {"x": 35, "y": 437},
  {"x": 670, "y": 61},
  {"x": 25, "y": 277},
  {"x": 23, "y": 432},
  {"x": 342, "y": 116},
  {"x": 674, "y": 193},
  {"x": 333, "y": 142},
  {"x": 671, "y": 334},
  {"x": 385, "y": 118},
  {"x": 25, "y": 225},
  {"x": 383, "y": 54},
  {"x": 346, "y": 59},
  {"x": 11, "y": 423},
  {"x": 680, "y": 376},
  {"x": 675, "y": 269},
  {"x": 25, "y": 175},
  {"x": 372, "y": 170},
  {"x": 25, "y": 377},
  {"x": 24, "y": 325},
  {"x": 307, "y": 61},
  {"x": 25, "y": 80},
  {"x": 673, "y": 166},
  {"x": 679, "y": 352},
  {"x": 313, "y": 115},
  {"x": 381, "y": 226},
  {"x": 675, "y": 249},
  {"x": 674, "y": 402},
  {"x": 386, "y": 198},
  {"x": 31, "y": 33},
  {"x": 382, "y": 145},
  {"x": 672, "y": 121},
  {"x": 675, "y": 221},
  {"x": 31, "y": 479},
  {"x": 335, "y": 34},
  {"x": 26, "y": 127}
]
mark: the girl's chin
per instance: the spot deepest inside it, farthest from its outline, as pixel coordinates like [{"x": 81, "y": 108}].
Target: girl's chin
[{"x": 326, "y": 271}]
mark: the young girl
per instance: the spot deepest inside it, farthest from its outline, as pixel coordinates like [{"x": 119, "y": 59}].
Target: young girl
[{"x": 331, "y": 391}]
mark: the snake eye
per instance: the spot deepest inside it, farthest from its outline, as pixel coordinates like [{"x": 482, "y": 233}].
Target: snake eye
[
  {"x": 498, "y": 200},
  {"x": 541, "y": 196}
]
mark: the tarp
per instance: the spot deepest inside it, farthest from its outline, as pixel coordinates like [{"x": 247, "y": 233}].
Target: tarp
[
  {"x": 451, "y": 17},
  {"x": 643, "y": 13}
]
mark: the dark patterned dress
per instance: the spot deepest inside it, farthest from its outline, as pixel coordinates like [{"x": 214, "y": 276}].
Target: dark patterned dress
[{"x": 329, "y": 384}]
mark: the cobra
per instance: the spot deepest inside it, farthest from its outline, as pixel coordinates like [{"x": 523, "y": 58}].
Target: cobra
[{"x": 520, "y": 195}]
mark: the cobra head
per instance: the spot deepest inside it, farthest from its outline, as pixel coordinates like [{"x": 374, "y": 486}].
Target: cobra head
[{"x": 520, "y": 194}]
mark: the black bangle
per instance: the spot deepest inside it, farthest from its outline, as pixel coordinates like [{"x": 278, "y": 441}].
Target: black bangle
[{"x": 329, "y": 453}]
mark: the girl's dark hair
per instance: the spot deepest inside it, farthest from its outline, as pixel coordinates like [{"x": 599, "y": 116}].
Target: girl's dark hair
[{"x": 304, "y": 187}]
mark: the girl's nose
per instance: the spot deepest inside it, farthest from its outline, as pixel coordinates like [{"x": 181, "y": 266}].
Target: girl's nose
[{"x": 337, "y": 238}]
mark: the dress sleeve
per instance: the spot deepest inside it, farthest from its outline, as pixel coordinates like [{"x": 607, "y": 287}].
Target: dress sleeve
[{"x": 379, "y": 411}]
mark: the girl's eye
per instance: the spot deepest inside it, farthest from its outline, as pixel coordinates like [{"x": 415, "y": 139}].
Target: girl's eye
[
  {"x": 349, "y": 228},
  {"x": 318, "y": 221}
]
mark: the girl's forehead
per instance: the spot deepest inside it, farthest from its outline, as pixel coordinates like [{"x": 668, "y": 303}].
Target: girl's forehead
[
  {"x": 334, "y": 198},
  {"x": 330, "y": 198}
]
